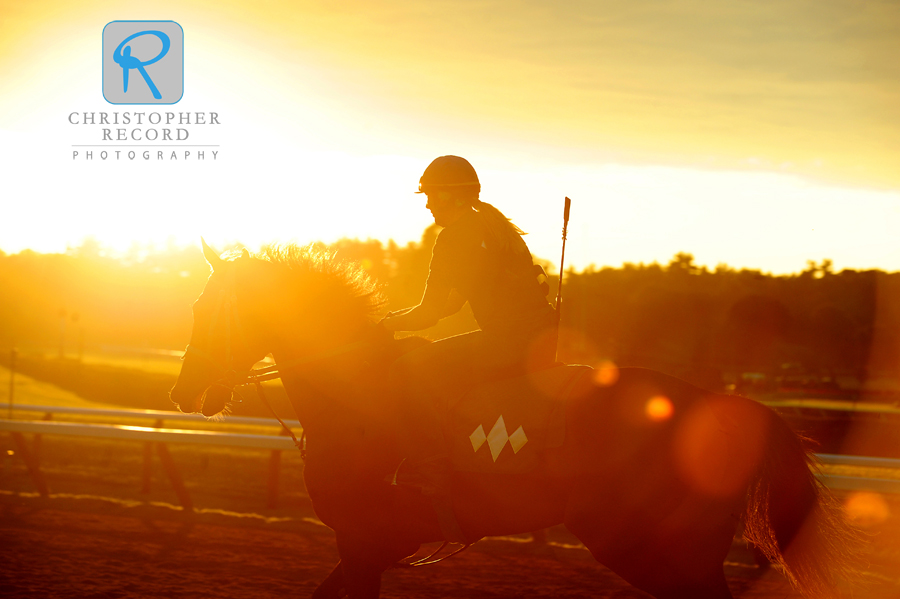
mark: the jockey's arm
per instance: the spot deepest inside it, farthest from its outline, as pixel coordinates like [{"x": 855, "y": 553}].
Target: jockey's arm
[
  {"x": 454, "y": 304},
  {"x": 437, "y": 302}
]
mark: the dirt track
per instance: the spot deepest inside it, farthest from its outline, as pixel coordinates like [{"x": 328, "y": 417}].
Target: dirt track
[
  {"x": 97, "y": 536},
  {"x": 85, "y": 547}
]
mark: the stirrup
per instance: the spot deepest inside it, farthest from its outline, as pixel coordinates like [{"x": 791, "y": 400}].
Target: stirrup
[{"x": 430, "y": 559}]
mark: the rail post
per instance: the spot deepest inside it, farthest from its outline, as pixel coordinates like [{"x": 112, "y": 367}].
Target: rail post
[
  {"x": 34, "y": 468},
  {"x": 174, "y": 477},
  {"x": 12, "y": 380},
  {"x": 37, "y": 443},
  {"x": 274, "y": 475},
  {"x": 147, "y": 468}
]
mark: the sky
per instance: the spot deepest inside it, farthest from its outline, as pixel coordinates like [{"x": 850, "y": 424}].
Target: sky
[{"x": 756, "y": 134}]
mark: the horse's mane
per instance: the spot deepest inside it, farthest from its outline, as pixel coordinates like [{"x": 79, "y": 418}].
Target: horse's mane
[{"x": 343, "y": 284}]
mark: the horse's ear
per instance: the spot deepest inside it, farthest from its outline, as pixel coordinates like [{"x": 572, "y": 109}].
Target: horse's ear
[
  {"x": 245, "y": 253},
  {"x": 211, "y": 255}
]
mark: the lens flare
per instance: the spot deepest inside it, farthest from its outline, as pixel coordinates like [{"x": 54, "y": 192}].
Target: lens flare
[
  {"x": 606, "y": 373},
  {"x": 866, "y": 509},
  {"x": 719, "y": 444},
  {"x": 659, "y": 408}
]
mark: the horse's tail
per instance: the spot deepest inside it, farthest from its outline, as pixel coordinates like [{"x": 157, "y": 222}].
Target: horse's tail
[{"x": 795, "y": 521}]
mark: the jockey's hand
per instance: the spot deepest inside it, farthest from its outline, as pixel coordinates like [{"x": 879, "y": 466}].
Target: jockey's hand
[{"x": 379, "y": 334}]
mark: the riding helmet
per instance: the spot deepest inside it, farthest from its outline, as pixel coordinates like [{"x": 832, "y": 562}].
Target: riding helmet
[{"x": 449, "y": 171}]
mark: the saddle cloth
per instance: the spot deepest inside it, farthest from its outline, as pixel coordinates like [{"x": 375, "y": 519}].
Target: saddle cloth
[{"x": 504, "y": 426}]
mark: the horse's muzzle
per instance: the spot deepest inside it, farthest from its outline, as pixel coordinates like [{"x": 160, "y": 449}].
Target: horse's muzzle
[
  {"x": 216, "y": 400},
  {"x": 186, "y": 400}
]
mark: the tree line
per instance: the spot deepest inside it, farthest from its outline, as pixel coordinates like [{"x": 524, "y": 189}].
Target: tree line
[{"x": 706, "y": 325}]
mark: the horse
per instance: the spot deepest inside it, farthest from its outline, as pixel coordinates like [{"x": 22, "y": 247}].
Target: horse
[{"x": 654, "y": 475}]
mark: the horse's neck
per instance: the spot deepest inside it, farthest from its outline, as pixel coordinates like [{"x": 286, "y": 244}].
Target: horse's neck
[
  {"x": 336, "y": 390},
  {"x": 320, "y": 397},
  {"x": 344, "y": 407},
  {"x": 345, "y": 446}
]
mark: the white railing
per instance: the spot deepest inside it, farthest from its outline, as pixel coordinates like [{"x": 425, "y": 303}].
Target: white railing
[
  {"x": 157, "y": 437},
  {"x": 143, "y": 433},
  {"x": 126, "y": 413},
  {"x": 832, "y": 405},
  {"x": 276, "y": 444},
  {"x": 859, "y": 483}
]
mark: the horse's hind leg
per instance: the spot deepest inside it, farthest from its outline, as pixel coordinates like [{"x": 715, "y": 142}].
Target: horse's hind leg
[
  {"x": 333, "y": 586},
  {"x": 683, "y": 561},
  {"x": 648, "y": 570},
  {"x": 714, "y": 588}
]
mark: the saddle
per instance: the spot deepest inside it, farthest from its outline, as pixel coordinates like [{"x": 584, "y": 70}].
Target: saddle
[{"x": 505, "y": 426}]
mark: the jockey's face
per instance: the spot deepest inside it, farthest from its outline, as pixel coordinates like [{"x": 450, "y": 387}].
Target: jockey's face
[{"x": 445, "y": 209}]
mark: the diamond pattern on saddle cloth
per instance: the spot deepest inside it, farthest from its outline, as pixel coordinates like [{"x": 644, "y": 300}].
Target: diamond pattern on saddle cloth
[
  {"x": 523, "y": 416},
  {"x": 498, "y": 438}
]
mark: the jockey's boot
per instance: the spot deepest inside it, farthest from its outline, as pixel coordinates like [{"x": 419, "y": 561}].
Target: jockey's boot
[{"x": 432, "y": 477}]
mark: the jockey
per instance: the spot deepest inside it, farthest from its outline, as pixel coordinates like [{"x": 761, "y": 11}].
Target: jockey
[{"x": 480, "y": 257}]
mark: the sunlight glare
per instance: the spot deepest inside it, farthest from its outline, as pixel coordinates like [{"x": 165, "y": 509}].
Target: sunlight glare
[
  {"x": 719, "y": 444},
  {"x": 866, "y": 509},
  {"x": 606, "y": 373},
  {"x": 659, "y": 408}
]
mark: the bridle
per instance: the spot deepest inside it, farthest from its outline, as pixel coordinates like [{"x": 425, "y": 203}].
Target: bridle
[{"x": 231, "y": 379}]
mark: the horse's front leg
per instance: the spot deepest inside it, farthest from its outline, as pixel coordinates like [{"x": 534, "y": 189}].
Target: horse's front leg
[
  {"x": 333, "y": 586},
  {"x": 362, "y": 579},
  {"x": 362, "y": 565}
]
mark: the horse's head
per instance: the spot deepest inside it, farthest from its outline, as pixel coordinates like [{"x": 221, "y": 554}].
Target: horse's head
[
  {"x": 299, "y": 302},
  {"x": 225, "y": 342}
]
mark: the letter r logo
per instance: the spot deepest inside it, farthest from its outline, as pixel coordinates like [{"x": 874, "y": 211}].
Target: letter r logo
[{"x": 143, "y": 62}]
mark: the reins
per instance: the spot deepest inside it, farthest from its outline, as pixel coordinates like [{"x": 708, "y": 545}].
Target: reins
[{"x": 301, "y": 444}]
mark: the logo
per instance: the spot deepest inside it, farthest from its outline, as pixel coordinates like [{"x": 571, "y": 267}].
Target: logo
[{"x": 143, "y": 62}]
